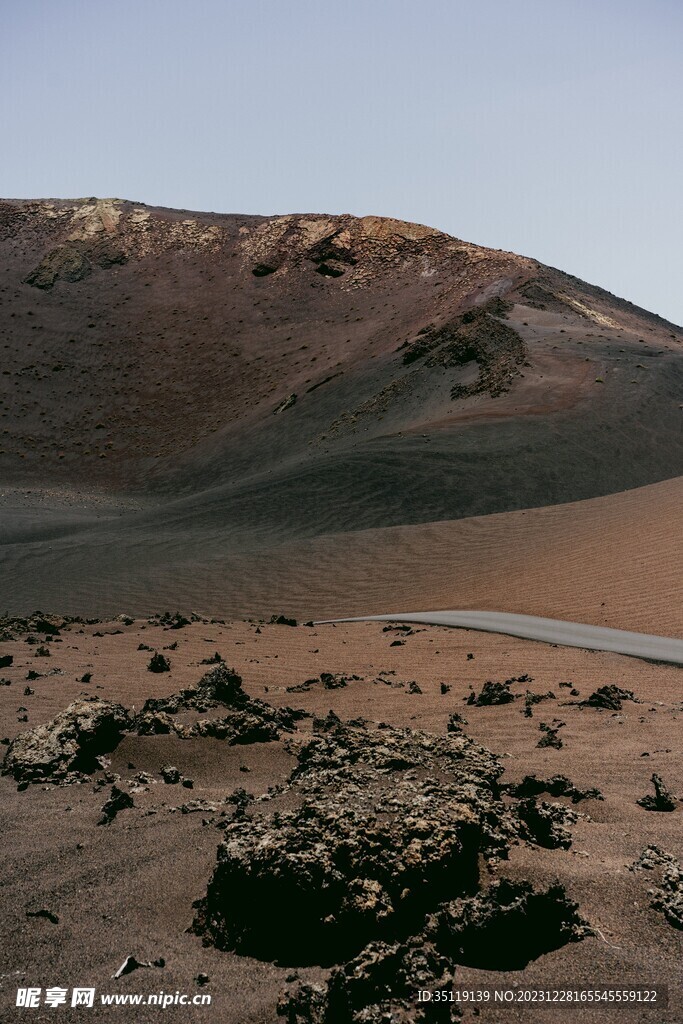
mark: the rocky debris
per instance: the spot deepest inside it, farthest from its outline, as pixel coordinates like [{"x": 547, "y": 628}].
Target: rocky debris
[
  {"x": 6, "y": 660},
  {"x": 131, "y": 963},
  {"x": 5, "y": 682},
  {"x": 546, "y": 823},
  {"x": 390, "y": 822},
  {"x": 380, "y": 984},
  {"x": 556, "y": 785},
  {"x": 282, "y": 620},
  {"x": 455, "y": 722},
  {"x": 535, "y": 698},
  {"x": 477, "y": 337},
  {"x": 119, "y": 800},
  {"x": 492, "y": 693},
  {"x": 414, "y": 688},
  {"x": 202, "y": 979},
  {"x": 47, "y": 914},
  {"x": 661, "y": 801},
  {"x": 667, "y": 896},
  {"x": 145, "y": 647},
  {"x": 444, "y": 688},
  {"x": 158, "y": 663},
  {"x": 173, "y": 621},
  {"x": 12, "y": 627},
  {"x": 86, "y": 677},
  {"x": 158, "y": 723},
  {"x": 170, "y": 774},
  {"x": 250, "y": 720},
  {"x": 66, "y": 748},
  {"x": 550, "y": 737},
  {"x": 505, "y": 927},
  {"x": 329, "y": 680},
  {"x": 609, "y": 698},
  {"x": 502, "y": 928},
  {"x": 214, "y": 659}
]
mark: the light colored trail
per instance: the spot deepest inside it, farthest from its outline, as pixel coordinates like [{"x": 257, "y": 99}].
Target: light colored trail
[{"x": 549, "y": 631}]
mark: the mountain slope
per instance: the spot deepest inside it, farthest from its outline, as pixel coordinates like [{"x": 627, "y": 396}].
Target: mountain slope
[{"x": 253, "y": 381}]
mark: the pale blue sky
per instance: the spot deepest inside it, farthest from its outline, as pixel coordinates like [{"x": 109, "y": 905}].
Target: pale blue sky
[{"x": 553, "y": 128}]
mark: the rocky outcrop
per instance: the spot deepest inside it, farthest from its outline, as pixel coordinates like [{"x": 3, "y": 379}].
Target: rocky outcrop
[
  {"x": 249, "y": 720},
  {"x": 67, "y": 748}
]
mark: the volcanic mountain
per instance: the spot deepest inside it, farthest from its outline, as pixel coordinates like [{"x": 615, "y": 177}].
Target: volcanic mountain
[{"x": 337, "y": 413}]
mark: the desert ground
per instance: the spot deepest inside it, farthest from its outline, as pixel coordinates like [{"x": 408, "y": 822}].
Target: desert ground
[{"x": 128, "y": 887}]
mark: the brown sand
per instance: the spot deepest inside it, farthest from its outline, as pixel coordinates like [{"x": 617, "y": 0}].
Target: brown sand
[{"x": 130, "y": 887}]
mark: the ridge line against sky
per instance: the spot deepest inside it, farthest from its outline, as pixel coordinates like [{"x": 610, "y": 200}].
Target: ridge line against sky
[{"x": 554, "y": 131}]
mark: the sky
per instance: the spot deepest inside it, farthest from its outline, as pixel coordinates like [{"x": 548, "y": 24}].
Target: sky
[{"x": 552, "y": 128}]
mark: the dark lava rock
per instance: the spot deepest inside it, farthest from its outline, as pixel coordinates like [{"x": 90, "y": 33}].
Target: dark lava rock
[
  {"x": 215, "y": 659},
  {"x": 535, "y": 698},
  {"x": 119, "y": 800},
  {"x": 249, "y": 720},
  {"x": 492, "y": 693},
  {"x": 608, "y": 697},
  {"x": 505, "y": 927},
  {"x": 444, "y": 688},
  {"x": 170, "y": 774},
  {"x": 455, "y": 723},
  {"x": 6, "y": 660},
  {"x": 556, "y": 785},
  {"x": 668, "y": 895},
  {"x": 390, "y": 821},
  {"x": 661, "y": 801},
  {"x": 381, "y": 984},
  {"x": 414, "y": 688},
  {"x": 282, "y": 620},
  {"x": 550, "y": 737},
  {"x": 157, "y": 723},
  {"x": 67, "y": 747},
  {"x": 546, "y": 823},
  {"x": 47, "y": 914},
  {"x": 158, "y": 663}
]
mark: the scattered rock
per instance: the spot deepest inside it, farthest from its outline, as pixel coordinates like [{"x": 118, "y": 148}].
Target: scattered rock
[
  {"x": 47, "y": 914},
  {"x": 170, "y": 774},
  {"x": 414, "y": 688},
  {"x": 249, "y": 720},
  {"x": 492, "y": 693},
  {"x": 6, "y": 660},
  {"x": 131, "y": 964},
  {"x": 67, "y": 747},
  {"x": 119, "y": 800},
  {"x": 158, "y": 663},
  {"x": 557, "y": 785},
  {"x": 550, "y": 736},
  {"x": 215, "y": 659},
  {"x": 535, "y": 698},
  {"x": 282, "y": 620},
  {"x": 608, "y": 697},
  {"x": 667, "y": 897},
  {"x": 661, "y": 801}
]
